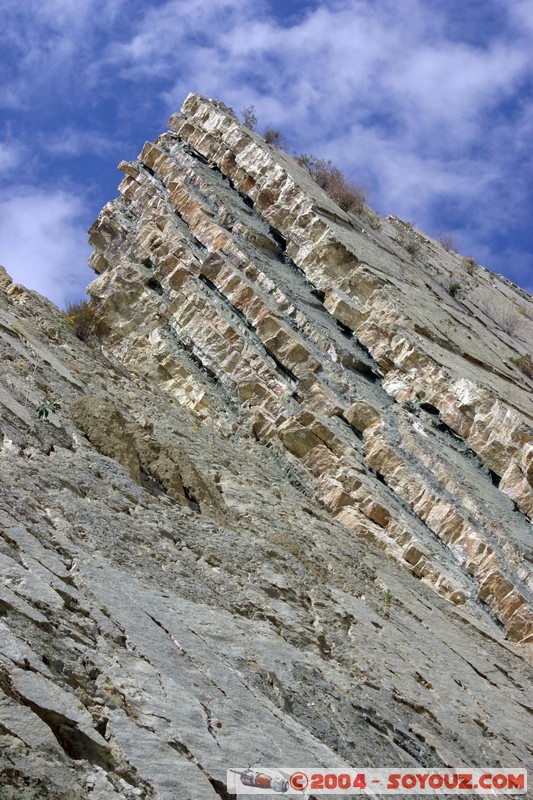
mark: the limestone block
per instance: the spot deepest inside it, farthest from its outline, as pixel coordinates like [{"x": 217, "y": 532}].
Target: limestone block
[
  {"x": 362, "y": 415},
  {"x": 343, "y": 308},
  {"x": 297, "y": 439}
]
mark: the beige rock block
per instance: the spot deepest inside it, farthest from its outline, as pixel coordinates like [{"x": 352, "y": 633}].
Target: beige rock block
[
  {"x": 413, "y": 554},
  {"x": 151, "y": 154},
  {"x": 213, "y": 266},
  {"x": 128, "y": 187},
  {"x": 343, "y": 308},
  {"x": 510, "y": 604},
  {"x": 362, "y": 415},
  {"x": 376, "y": 512},
  {"x": 458, "y": 598},
  {"x": 495, "y": 586},
  {"x": 105, "y": 427},
  {"x": 319, "y": 399},
  {"x": 326, "y": 435},
  {"x": 297, "y": 439},
  {"x": 320, "y": 461},
  {"x": 518, "y": 486},
  {"x": 450, "y": 525},
  {"x": 401, "y": 536},
  {"x": 382, "y": 458},
  {"x": 262, "y": 426},
  {"x": 527, "y": 461},
  {"x": 335, "y": 498},
  {"x": 356, "y": 522},
  {"x": 520, "y": 626},
  {"x": 178, "y": 278},
  {"x": 423, "y": 569},
  {"x": 128, "y": 169},
  {"x": 251, "y": 389},
  {"x": 5, "y": 279},
  {"x": 98, "y": 262}
]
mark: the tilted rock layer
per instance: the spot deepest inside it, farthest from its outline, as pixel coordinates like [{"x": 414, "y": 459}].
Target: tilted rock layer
[
  {"x": 231, "y": 278},
  {"x": 282, "y": 516}
]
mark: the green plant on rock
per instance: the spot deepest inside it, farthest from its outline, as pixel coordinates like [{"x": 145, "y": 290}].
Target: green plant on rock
[
  {"x": 524, "y": 364},
  {"x": 17, "y": 329},
  {"x": 81, "y": 316},
  {"x": 56, "y": 332},
  {"x": 412, "y": 246},
  {"x": 454, "y": 287},
  {"x": 44, "y": 409},
  {"x": 387, "y": 604}
]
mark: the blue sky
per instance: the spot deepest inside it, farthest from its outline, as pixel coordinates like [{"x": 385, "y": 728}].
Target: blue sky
[{"x": 429, "y": 103}]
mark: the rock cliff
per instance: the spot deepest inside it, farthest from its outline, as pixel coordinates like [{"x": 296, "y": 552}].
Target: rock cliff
[{"x": 283, "y": 513}]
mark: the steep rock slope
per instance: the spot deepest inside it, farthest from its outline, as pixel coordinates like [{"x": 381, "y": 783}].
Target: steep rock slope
[
  {"x": 229, "y": 277},
  {"x": 246, "y": 537}
]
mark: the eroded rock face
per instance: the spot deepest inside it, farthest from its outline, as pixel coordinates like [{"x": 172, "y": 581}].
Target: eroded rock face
[
  {"x": 229, "y": 277},
  {"x": 281, "y": 516}
]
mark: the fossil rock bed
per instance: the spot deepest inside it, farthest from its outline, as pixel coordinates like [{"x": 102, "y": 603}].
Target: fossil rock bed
[{"x": 283, "y": 515}]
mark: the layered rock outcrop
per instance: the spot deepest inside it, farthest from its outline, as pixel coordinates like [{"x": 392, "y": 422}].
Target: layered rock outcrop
[
  {"x": 256, "y": 301},
  {"x": 282, "y": 515}
]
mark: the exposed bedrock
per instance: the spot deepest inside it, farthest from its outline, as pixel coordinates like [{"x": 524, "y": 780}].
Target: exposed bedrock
[
  {"x": 278, "y": 512},
  {"x": 231, "y": 279}
]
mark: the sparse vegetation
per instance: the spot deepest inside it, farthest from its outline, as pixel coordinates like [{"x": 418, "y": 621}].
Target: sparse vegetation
[
  {"x": 44, "y": 409},
  {"x": 412, "y": 246},
  {"x": 407, "y": 238},
  {"x": 275, "y": 137},
  {"x": 524, "y": 364},
  {"x": 82, "y": 317},
  {"x": 469, "y": 264},
  {"x": 449, "y": 242},
  {"x": 56, "y": 332},
  {"x": 509, "y": 321},
  {"x": 373, "y": 219},
  {"x": 387, "y": 604},
  {"x": 249, "y": 118},
  {"x": 349, "y": 196},
  {"x": 453, "y": 288}
]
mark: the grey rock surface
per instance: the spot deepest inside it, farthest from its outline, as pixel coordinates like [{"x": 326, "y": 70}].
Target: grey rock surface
[{"x": 191, "y": 583}]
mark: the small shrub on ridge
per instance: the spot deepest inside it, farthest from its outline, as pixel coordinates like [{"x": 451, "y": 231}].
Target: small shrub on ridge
[
  {"x": 249, "y": 118},
  {"x": 449, "y": 242},
  {"x": 349, "y": 196},
  {"x": 524, "y": 364},
  {"x": 82, "y": 317}
]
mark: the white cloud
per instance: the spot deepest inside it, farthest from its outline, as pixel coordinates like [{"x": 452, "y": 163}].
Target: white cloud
[
  {"x": 10, "y": 157},
  {"x": 73, "y": 141},
  {"x": 49, "y": 46},
  {"x": 43, "y": 243},
  {"x": 343, "y": 63}
]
